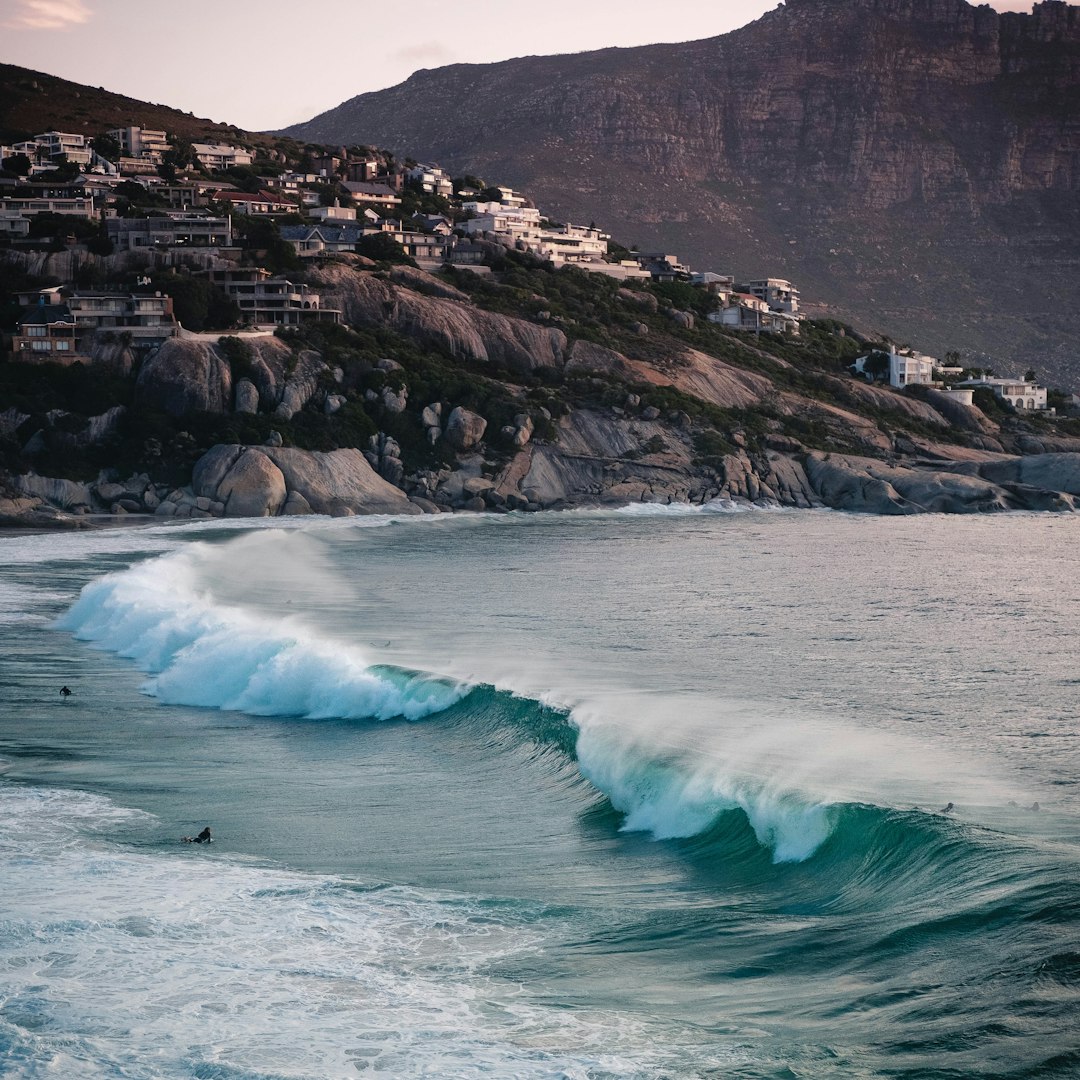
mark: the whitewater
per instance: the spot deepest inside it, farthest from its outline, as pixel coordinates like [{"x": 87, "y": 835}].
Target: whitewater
[{"x": 642, "y": 793}]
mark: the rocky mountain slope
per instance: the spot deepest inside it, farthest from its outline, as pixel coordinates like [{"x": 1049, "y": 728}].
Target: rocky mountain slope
[{"x": 914, "y": 165}]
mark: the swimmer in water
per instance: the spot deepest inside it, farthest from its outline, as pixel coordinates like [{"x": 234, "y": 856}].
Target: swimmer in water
[
  {"x": 203, "y": 838},
  {"x": 948, "y": 809},
  {"x": 65, "y": 693}
]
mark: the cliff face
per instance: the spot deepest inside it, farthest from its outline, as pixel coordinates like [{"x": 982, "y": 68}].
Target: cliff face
[{"x": 914, "y": 162}]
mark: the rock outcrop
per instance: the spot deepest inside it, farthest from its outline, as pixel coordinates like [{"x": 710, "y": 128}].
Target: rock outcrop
[
  {"x": 264, "y": 481},
  {"x": 448, "y": 323},
  {"x": 185, "y": 376}
]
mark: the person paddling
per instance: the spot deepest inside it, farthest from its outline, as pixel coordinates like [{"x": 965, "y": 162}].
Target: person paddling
[
  {"x": 65, "y": 693},
  {"x": 203, "y": 838}
]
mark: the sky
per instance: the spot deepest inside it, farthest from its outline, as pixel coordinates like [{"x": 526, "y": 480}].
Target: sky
[{"x": 265, "y": 65}]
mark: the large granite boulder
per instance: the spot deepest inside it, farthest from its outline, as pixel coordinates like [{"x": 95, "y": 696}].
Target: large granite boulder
[
  {"x": 464, "y": 429},
  {"x": 185, "y": 376},
  {"x": 264, "y": 481}
]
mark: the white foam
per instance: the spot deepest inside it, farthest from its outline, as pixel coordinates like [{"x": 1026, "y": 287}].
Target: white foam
[
  {"x": 204, "y": 653},
  {"x": 115, "y": 962}
]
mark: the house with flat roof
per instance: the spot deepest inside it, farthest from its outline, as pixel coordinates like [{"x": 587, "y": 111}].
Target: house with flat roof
[
  {"x": 1022, "y": 395},
  {"x": 268, "y": 300},
  {"x": 170, "y": 230}
]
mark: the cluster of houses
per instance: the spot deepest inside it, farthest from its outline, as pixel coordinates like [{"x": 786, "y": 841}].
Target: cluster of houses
[{"x": 194, "y": 214}]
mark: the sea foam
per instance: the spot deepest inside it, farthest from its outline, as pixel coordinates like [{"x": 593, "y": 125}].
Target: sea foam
[{"x": 205, "y": 653}]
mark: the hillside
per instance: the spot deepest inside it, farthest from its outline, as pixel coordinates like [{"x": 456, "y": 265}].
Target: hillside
[
  {"x": 914, "y": 165},
  {"x": 32, "y": 102}
]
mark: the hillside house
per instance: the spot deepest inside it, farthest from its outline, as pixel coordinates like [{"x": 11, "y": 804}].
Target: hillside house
[
  {"x": 243, "y": 202},
  {"x": 333, "y": 214},
  {"x": 71, "y": 147},
  {"x": 779, "y": 294},
  {"x": 311, "y": 240},
  {"x": 46, "y": 335},
  {"x": 139, "y": 143},
  {"x": 219, "y": 156},
  {"x": 431, "y": 179},
  {"x": 176, "y": 229},
  {"x": 266, "y": 300},
  {"x": 370, "y": 194},
  {"x": 147, "y": 320},
  {"x": 1022, "y": 395}
]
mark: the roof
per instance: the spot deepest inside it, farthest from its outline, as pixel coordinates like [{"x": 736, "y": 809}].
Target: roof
[{"x": 43, "y": 314}]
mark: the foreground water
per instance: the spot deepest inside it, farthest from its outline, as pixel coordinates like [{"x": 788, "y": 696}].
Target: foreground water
[{"x": 576, "y": 795}]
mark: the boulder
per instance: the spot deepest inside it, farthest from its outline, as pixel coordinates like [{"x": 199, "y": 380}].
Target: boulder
[
  {"x": 394, "y": 401},
  {"x": 464, "y": 429},
  {"x": 333, "y": 403},
  {"x": 247, "y": 397},
  {"x": 258, "y": 481},
  {"x": 185, "y": 376},
  {"x": 253, "y": 487}
]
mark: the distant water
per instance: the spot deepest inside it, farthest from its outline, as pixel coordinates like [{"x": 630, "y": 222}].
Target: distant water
[{"x": 636, "y": 794}]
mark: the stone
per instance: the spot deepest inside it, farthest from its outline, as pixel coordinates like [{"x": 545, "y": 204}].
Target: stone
[
  {"x": 386, "y": 364},
  {"x": 202, "y": 502},
  {"x": 109, "y": 493},
  {"x": 184, "y": 376},
  {"x": 296, "y": 505},
  {"x": 464, "y": 429},
  {"x": 477, "y": 485},
  {"x": 333, "y": 403},
  {"x": 650, "y": 412},
  {"x": 274, "y": 439},
  {"x": 253, "y": 487},
  {"x": 425, "y": 504},
  {"x": 395, "y": 401},
  {"x": 432, "y": 415},
  {"x": 475, "y": 504},
  {"x": 130, "y": 506},
  {"x": 165, "y": 508},
  {"x": 246, "y": 398}
]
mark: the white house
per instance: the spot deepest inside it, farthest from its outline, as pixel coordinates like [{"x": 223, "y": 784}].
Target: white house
[
  {"x": 335, "y": 214},
  {"x": 779, "y": 294},
  {"x": 1019, "y": 393},
  {"x": 139, "y": 142},
  {"x": 904, "y": 369}
]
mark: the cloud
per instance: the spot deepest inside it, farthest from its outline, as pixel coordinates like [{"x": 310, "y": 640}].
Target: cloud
[
  {"x": 425, "y": 51},
  {"x": 48, "y": 15}
]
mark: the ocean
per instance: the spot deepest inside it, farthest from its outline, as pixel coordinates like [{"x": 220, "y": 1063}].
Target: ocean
[{"x": 652, "y": 793}]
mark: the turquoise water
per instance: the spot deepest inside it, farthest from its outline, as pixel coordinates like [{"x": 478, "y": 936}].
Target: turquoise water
[{"x": 598, "y": 794}]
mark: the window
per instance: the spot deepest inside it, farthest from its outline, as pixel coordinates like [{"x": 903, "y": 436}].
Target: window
[
  {"x": 63, "y": 346},
  {"x": 35, "y": 331},
  {"x": 41, "y": 346}
]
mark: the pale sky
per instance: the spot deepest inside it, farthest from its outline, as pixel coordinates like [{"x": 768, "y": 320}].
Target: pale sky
[{"x": 267, "y": 64}]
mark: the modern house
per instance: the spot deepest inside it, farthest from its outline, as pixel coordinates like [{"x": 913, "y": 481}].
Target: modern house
[
  {"x": 178, "y": 229},
  {"x": 266, "y": 300},
  {"x": 54, "y": 144},
  {"x": 243, "y": 202},
  {"x": 779, "y": 294},
  {"x": 147, "y": 320},
  {"x": 138, "y": 142}
]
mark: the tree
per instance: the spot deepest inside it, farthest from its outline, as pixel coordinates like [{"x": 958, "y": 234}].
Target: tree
[
  {"x": 383, "y": 248},
  {"x": 106, "y": 146},
  {"x": 18, "y": 164},
  {"x": 876, "y": 364},
  {"x": 1030, "y": 376}
]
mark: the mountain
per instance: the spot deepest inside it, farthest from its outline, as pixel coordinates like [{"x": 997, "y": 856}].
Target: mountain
[{"x": 913, "y": 165}]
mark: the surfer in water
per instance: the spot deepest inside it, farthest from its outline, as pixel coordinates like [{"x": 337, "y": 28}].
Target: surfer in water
[
  {"x": 948, "y": 809},
  {"x": 203, "y": 838},
  {"x": 65, "y": 693}
]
